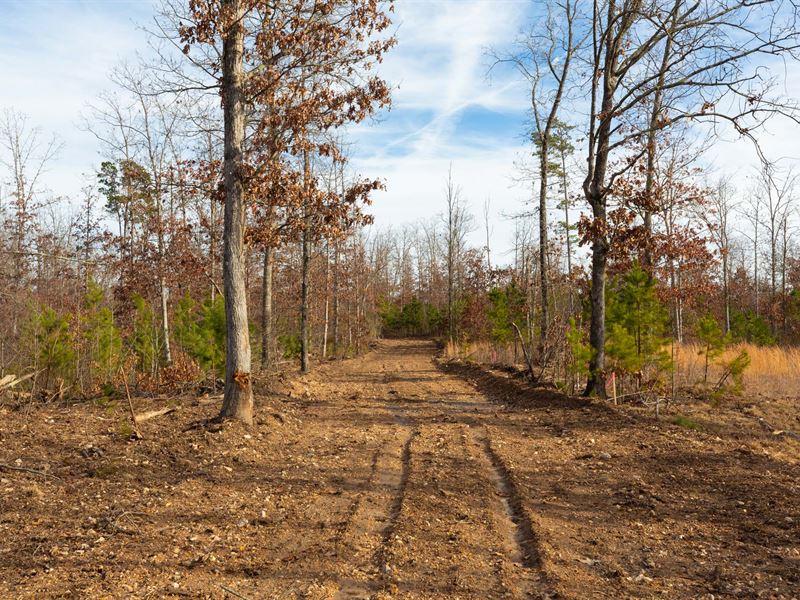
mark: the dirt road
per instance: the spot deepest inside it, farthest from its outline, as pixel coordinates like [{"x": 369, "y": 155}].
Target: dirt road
[{"x": 391, "y": 477}]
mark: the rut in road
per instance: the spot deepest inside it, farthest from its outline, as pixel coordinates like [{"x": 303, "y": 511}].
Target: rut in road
[
  {"x": 439, "y": 515},
  {"x": 397, "y": 507},
  {"x": 524, "y": 536}
]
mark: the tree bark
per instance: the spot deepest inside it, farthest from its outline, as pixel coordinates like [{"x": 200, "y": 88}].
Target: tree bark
[
  {"x": 326, "y": 321},
  {"x": 266, "y": 309},
  {"x": 165, "y": 318},
  {"x": 565, "y": 189},
  {"x": 544, "y": 317},
  {"x": 306, "y": 263},
  {"x": 335, "y": 325},
  {"x": 212, "y": 247},
  {"x": 595, "y": 191},
  {"x": 596, "y": 384},
  {"x": 238, "y": 398}
]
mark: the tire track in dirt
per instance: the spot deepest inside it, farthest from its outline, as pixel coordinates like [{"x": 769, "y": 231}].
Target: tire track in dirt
[
  {"x": 396, "y": 509},
  {"x": 524, "y": 538},
  {"x": 439, "y": 514},
  {"x": 385, "y": 488},
  {"x": 357, "y": 501},
  {"x": 519, "y": 532},
  {"x": 471, "y": 450}
]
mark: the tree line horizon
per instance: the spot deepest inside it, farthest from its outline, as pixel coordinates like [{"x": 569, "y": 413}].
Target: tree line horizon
[{"x": 241, "y": 229}]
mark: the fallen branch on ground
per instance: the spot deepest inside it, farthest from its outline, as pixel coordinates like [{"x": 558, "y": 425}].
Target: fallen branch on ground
[
  {"x": 10, "y": 381},
  {"x": 152, "y": 414},
  {"x": 234, "y": 592},
  {"x": 26, "y": 470}
]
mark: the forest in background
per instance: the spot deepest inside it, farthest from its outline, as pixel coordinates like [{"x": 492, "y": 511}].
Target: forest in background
[{"x": 128, "y": 287}]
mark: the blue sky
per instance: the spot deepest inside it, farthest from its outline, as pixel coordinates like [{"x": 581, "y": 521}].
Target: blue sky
[
  {"x": 57, "y": 55},
  {"x": 446, "y": 110}
]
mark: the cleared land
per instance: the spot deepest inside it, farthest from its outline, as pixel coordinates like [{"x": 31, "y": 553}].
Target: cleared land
[{"x": 390, "y": 476}]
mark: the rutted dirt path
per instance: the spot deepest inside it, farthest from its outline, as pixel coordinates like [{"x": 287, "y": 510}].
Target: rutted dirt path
[
  {"x": 439, "y": 518},
  {"x": 388, "y": 476}
]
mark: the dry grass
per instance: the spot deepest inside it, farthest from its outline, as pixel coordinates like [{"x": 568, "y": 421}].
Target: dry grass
[
  {"x": 774, "y": 371},
  {"x": 485, "y": 353}
]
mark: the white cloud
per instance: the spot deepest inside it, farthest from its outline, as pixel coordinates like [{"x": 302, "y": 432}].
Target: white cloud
[
  {"x": 57, "y": 57},
  {"x": 441, "y": 67}
]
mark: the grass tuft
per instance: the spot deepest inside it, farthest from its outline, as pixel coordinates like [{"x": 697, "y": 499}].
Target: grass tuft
[{"x": 686, "y": 422}]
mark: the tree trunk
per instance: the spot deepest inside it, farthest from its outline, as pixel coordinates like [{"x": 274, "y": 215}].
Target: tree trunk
[
  {"x": 451, "y": 325},
  {"x": 544, "y": 318},
  {"x": 652, "y": 151},
  {"x": 306, "y": 263},
  {"x": 773, "y": 251},
  {"x": 596, "y": 383},
  {"x": 569, "y": 248},
  {"x": 595, "y": 191},
  {"x": 327, "y": 304},
  {"x": 784, "y": 251},
  {"x": 726, "y": 291},
  {"x": 266, "y": 309},
  {"x": 165, "y": 318},
  {"x": 162, "y": 284},
  {"x": 238, "y": 398},
  {"x": 212, "y": 250},
  {"x": 357, "y": 298},
  {"x": 755, "y": 262},
  {"x": 335, "y": 327}
]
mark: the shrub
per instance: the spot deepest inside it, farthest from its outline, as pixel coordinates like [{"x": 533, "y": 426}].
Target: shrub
[
  {"x": 580, "y": 350},
  {"x": 144, "y": 340},
  {"x": 686, "y": 422},
  {"x": 713, "y": 341},
  {"x": 55, "y": 345},
  {"x": 200, "y": 331},
  {"x": 101, "y": 337},
  {"x": 637, "y": 326},
  {"x": 749, "y": 327},
  {"x": 290, "y": 345},
  {"x": 733, "y": 371}
]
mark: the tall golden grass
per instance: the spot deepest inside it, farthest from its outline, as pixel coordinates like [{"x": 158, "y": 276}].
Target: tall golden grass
[
  {"x": 774, "y": 371},
  {"x": 484, "y": 353}
]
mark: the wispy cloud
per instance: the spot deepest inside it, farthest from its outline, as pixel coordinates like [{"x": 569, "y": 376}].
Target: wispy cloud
[
  {"x": 446, "y": 110},
  {"x": 57, "y": 56},
  {"x": 56, "y": 59}
]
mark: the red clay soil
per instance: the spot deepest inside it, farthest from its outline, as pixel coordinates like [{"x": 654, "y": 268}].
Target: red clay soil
[{"x": 392, "y": 476}]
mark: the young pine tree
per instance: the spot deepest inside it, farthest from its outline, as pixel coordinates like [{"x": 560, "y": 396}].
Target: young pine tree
[
  {"x": 637, "y": 327},
  {"x": 200, "y": 331},
  {"x": 712, "y": 341},
  {"x": 101, "y": 338},
  {"x": 54, "y": 340}
]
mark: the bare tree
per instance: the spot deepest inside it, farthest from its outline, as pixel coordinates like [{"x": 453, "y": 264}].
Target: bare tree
[
  {"x": 709, "y": 76},
  {"x": 776, "y": 197},
  {"x": 545, "y": 61},
  {"x": 238, "y": 399},
  {"x": 718, "y": 223},
  {"x": 752, "y": 214},
  {"x": 306, "y": 265},
  {"x": 459, "y": 223},
  {"x": 26, "y": 157},
  {"x": 487, "y": 205},
  {"x": 142, "y": 127}
]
